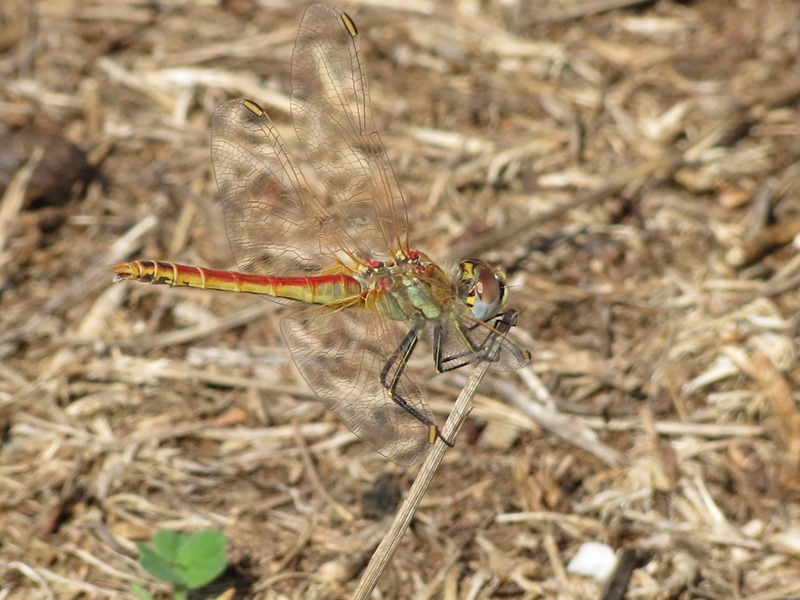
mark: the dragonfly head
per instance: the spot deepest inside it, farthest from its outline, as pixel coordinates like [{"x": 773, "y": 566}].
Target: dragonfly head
[{"x": 483, "y": 290}]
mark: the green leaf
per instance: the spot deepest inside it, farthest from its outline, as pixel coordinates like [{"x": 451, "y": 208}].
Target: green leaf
[
  {"x": 140, "y": 592},
  {"x": 158, "y": 566},
  {"x": 202, "y": 557},
  {"x": 168, "y": 543},
  {"x": 185, "y": 561}
]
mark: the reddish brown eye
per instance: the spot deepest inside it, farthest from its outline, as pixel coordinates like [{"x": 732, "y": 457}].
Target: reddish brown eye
[
  {"x": 483, "y": 290},
  {"x": 488, "y": 287},
  {"x": 488, "y": 295}
]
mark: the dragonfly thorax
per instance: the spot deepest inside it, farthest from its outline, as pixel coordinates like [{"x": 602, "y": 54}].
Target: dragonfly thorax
[{"x": 409, "y": 288}]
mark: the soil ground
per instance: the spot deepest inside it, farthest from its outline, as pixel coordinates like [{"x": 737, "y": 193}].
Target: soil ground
[{"x": 633, "y": 166}]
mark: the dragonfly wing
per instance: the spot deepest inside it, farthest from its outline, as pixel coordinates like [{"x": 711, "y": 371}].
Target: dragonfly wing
[
  {"x": 270, "y": 213},
  {"x": 464, "y": 340},
  {"x": 333, "y": 118},
  {"x": 341, "y": 354}
]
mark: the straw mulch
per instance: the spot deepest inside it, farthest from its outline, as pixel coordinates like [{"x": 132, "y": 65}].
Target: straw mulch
[{"x": 632, "y": 165}]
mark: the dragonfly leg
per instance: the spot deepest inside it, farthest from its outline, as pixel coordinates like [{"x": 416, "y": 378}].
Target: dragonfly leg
[
  {"x": 390, "y": 378},
  {"x": 454, "y": 361},
  {"x": 482, "y": 351}
]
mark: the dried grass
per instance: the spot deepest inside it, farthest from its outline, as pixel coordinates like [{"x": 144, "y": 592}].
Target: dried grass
[{"x": 632, "y": 164}]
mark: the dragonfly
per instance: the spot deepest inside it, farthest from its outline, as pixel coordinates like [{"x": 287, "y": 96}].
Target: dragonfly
[{"x": 369, "y": 296}]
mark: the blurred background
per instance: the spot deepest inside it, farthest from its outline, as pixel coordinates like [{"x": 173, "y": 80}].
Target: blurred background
[{"x": 633, "y": 166}]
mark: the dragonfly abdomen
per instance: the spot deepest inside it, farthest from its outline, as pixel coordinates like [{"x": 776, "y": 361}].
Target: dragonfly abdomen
[{"x": 319, "y": 289}]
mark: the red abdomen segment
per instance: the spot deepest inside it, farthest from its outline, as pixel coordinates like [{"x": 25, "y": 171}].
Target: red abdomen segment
[{"x": 317, "y": 289}]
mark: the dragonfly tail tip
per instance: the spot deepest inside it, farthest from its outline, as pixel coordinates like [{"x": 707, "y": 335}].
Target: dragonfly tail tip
[{"x": 122, "y": 272}]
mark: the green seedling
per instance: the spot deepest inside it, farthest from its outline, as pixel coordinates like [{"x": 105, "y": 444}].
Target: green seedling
[{"x": 187, "y": 561}]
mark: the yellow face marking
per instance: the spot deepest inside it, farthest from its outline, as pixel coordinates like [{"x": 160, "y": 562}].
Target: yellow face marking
[{"x": 349, "y": 25}]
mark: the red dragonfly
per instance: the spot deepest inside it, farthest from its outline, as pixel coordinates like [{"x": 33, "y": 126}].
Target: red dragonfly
[{"x": 373, "y": 296}]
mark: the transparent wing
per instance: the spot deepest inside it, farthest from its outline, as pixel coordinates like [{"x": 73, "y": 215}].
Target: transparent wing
[
  {"x": 333, "y": 118},
  {"x": 341, "y": 354},
  {"x": 275, "y": 223}
]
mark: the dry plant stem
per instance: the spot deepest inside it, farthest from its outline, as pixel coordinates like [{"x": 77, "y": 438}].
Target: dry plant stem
[
  {"x": 656, "y": 169},
  {"x": 660, "y": 167},
  {"x": 585, "y": 9},
  {"x": 461, "y": 409},
  {"x": 573, "y": 431},
  {"x": 312, "y": 473},
  {"x": 195, "y": 332},
  {"x": 388, "y": 546},
  {"x": 463, "y": 406},
  {"x": 617, "y": 585}
]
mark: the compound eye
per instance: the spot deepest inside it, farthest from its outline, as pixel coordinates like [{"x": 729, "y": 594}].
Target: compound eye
[
  {"x": 489, "y": 295},
  {"x": 484, "y": 291}
]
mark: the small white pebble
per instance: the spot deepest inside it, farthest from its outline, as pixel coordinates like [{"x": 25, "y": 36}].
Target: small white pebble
[{"x": 593, "y": 560}]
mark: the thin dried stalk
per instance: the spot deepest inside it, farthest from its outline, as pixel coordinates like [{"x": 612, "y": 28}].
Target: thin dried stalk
[{"x": 391, "y": 541}]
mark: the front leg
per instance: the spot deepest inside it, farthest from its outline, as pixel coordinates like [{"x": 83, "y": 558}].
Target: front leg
[{"x": 473, "y": 351}]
